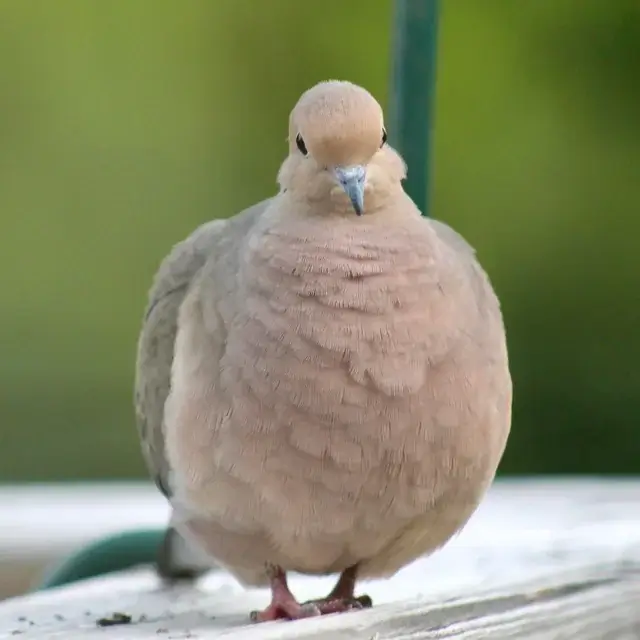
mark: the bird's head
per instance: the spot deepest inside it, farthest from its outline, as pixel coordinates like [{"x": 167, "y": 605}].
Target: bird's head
[{"x": 338, "y": 151}]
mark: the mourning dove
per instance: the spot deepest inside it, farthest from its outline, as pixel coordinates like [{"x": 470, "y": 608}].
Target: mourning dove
[{"x": 323, "y": 382}]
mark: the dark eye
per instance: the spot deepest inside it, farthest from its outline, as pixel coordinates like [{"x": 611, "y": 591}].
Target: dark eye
[
  {"x": 384, "y": 137},
  {"x": 301, "y": 145}
]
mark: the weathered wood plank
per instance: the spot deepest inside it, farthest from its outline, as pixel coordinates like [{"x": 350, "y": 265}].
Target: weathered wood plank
[
  {"x": 539, "y": 560},
  {"x": 591, "y": 604}
]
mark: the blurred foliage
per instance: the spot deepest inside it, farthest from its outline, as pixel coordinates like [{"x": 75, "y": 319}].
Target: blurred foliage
[{"x": 125, "y": 124}]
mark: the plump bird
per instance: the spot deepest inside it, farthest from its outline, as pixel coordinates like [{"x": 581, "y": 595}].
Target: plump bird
[{"x": 322, "y": 380}]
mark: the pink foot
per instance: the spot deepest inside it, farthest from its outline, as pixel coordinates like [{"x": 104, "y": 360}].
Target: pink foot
[
  {"x": 341, "y": 599},
  {"x": 284, "y": 606},
  {"x": 290, "y": 610},
  {"x": 330, "y": 604}
]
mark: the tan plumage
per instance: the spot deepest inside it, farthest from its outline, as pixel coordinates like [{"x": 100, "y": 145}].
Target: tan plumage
[{"x": 337, "y": 391}]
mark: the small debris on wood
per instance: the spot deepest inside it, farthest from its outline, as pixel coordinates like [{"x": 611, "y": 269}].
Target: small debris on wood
[{"x": 115, "y": 619}]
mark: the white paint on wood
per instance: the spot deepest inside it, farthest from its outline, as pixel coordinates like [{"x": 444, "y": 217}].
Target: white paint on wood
[{"x": 543, "y": 559}]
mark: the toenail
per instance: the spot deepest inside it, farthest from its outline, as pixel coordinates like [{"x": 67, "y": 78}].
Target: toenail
[{"x": 310, "y": 610}]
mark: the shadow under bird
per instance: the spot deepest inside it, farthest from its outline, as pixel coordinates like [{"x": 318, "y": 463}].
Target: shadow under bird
[{"x": 322, "y": 380}]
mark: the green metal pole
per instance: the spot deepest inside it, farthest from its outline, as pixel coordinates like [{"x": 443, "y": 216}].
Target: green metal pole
[{"x": 412, "y": 92}]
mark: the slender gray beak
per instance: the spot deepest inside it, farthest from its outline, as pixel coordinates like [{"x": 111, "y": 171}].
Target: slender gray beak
[{"x": 351, "y": 179}]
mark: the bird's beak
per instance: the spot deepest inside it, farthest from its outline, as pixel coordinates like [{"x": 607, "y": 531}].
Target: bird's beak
[{"x": 351, "y": 179}]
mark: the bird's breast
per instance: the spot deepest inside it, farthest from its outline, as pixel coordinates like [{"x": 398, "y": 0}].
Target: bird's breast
[
  {"x": 337, "y": 323},
  {"x": 338, "y": 387}
]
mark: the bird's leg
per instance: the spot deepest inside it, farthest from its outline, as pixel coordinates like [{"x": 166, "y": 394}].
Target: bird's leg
[
  {"x": 342, "y": 596},
  {"x": 283, "y": 603}
]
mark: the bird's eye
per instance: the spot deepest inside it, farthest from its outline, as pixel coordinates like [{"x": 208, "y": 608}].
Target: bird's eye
[
  {"x": 301, "y": 145},
  {"x": 384, "y": 137}
]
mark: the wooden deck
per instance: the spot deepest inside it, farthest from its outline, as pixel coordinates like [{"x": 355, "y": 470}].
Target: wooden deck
[{"x": 540, "y": 559}]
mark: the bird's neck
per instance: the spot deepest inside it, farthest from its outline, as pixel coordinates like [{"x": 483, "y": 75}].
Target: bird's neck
[{"x": 332, "y": 206}]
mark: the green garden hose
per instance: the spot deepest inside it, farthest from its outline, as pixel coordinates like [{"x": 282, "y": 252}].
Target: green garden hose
[{"x": 113, "y": 553}]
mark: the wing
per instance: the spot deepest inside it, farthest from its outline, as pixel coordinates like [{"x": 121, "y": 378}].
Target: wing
[
  {"x": 452, "y": 238},
  {"x": 478, "y": 279},
  {"x": 157, "y": 337}
]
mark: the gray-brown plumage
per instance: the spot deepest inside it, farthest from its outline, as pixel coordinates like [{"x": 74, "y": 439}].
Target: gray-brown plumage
[
  {"x": 320, "y": 391},
  {"x": 176, "y": 560}
]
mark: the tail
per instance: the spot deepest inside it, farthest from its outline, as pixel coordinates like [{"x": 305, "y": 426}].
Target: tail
[{"x": 179, "y": 561}]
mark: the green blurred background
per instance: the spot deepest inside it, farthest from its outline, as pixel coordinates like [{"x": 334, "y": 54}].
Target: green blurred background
[{"x": 124, "y": 124}]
